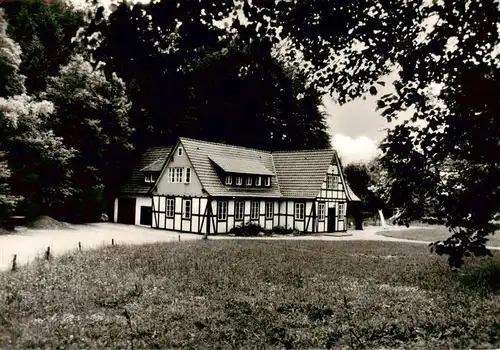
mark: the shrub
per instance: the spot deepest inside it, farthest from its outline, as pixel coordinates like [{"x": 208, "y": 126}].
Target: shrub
[
  {"x": 247, "y": 230},
  {"x": 281, "y": 230}
]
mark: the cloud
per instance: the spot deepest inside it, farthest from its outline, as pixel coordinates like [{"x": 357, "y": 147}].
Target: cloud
[{"x": 355, "y": 149}]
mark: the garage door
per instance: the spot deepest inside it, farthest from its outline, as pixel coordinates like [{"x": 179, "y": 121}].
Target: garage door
[{"x": 126, "y": 211}]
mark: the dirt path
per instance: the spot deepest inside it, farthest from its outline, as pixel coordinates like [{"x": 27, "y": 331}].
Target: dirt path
[
  {"x": 32, "y": 243},
  {"x": 29, "y": 244}
]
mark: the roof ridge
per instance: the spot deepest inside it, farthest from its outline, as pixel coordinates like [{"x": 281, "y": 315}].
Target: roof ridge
[
  {"x": 155, "y": 147},
  {"x": 225, "y": 144},
  {"x": 305, "y": 150}
]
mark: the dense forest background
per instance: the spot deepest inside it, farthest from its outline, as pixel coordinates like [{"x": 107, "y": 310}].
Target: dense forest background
[{"x": 73, "y": 128}]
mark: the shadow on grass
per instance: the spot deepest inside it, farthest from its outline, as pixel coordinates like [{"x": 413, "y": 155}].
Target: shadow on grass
[{"x": 483, "y": 279}]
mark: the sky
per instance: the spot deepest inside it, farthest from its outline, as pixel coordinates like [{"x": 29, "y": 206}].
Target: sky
[{"x": 356, "y": 128}]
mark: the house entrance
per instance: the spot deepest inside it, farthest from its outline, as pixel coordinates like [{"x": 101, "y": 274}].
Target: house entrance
[{"x": 330, "y": 226}]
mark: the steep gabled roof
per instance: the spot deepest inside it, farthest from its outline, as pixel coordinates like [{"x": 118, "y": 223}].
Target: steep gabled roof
[
  {"x": 157, "y": 165},
  {"x": 240, "y": 166},
  {"x": 152, "y": 159},
  {"x": 301, "y": 173},
  {"x": 200, "y": 154}
]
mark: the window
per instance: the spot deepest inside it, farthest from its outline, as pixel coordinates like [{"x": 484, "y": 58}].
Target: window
[
  {"x": 321, "y": 211},
  {"x": 239, "y": 180},
  {"x": 332, "y": 182},
  {"x": 222, "y": 210},
  {"x": 258, "y": 181},
  {"x": 269, "y": 210},
  {"x": 171, "y": 175},
  {"x": 299, "y": 211},
  {"x": 268, "y": 181},
  {"x": 341, "y": 209},
  {"x": 335, "y": 182},
  {"x": 239, "y": 208},
  {"x": 329, "y": 181},
  {"x": 229, "y": 180},
  {"x": 254, "y": 210},
  {"x": 148, "y": 178},
  {"x": 188, "y": 175},
  {"x": 249, "y": 181},
  {"x": 178, "y": 175},
  {"x": 170, "y": 207},
  {"x": 179, "y": 152},
  {"x": 186, "y": 213}
]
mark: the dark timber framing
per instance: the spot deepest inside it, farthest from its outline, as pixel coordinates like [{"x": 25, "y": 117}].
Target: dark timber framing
[{"x": 207, "y": 220}]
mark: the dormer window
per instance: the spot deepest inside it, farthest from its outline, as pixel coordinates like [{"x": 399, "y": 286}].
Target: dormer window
[
  {"x": 258, "y": 181},
  {"x": 239, "y": 180},
  {"x": 179, "y": 151},
  {"x": 149, "y": 178},
  {"x": 249, "y": 181},
  {"x": 229, "y": 180},
  {"x": 268, "y": 181}
]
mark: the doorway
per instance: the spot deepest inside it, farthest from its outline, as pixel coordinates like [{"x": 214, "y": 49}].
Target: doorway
[{"x": 330, "y": 226}]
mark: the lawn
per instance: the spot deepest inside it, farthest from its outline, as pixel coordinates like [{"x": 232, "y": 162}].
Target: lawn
[
  {"x": 226, "y": 294},
  {"x": 432, "y": 234}
]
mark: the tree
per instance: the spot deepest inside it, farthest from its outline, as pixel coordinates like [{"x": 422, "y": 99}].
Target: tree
[
  {"x": 186, "y": 76},
  {"x": 91, "y": 113},
  {"x": 44, "y": 30},
  {"x": 447, "y": 63},
  {"x": 260, "y": 102},
  {"x": 11, "y": 80},
  {"x": 38, "y": 159},
  {"x": 8, "y": 202}
]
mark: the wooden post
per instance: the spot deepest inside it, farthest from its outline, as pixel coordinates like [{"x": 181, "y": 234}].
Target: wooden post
[
  {"x": 47, "y": 253},
  {"x": 14, "y": 264},
  {"x": 80, "y": 246},
  {"x": 209, "y": 215},
  {"x": 179, "y": 238},
  {"x": 112, "y": 241}
]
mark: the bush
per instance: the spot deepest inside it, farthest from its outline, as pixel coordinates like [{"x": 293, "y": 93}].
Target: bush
[
  {"x": 247, "y": 230},
  {"x": 281, "y": 230},
  {"x": 252, "y": 230}
]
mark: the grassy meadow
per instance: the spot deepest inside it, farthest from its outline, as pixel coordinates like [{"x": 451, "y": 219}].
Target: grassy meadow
[
  {"x": 432, "y": 234},
  {"x": 226, "y": 294}
]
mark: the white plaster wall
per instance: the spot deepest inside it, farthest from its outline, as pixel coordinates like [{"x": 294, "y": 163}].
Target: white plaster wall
[{"x": 194, "y": 188}]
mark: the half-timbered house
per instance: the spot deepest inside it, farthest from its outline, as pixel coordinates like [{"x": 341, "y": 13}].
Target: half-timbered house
[{"x": 209, "y": 188}]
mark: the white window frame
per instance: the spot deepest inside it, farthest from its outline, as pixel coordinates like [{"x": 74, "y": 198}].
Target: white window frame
[
  {"x": 335, "y": 182},
  {"x": 187, "y": 175},
  {"x": 299, "y": 212},
  {"x": 267, "y": 181},
  {"x": 148, "y": 178},
  {"x": 329, "y": 182},
  {"x": 178, "y": 175},
  {"x": 269, "y": 210},
  {"x": 321, "y": 211},
  {"x": 341, "y": 209},
  {"x": 254, "y": 205},
  {"x": 186, "y": 214},
  {"x": 171, "y": 175},
  {"x": 258, "y": 181},
  {"x": 222, "y": 210},
  {"x": 170, "y": 208},
  {"x": 179, "y": 151},
  {"x": 249, "y": 181},
  {"x": 239, "y": 180},
  {"x": 229, "y": 180},
  {"x": 239, "y": 210}
]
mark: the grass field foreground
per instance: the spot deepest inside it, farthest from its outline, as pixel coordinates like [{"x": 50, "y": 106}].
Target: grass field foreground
[
  {"x": 432, "y": 234},
  {"x": 223, "y": 294}
]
